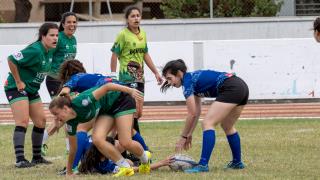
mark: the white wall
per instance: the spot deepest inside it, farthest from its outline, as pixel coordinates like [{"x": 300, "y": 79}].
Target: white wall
[
  {"x": 175, "y": 30},
  {"x": 273, "y": 68}
]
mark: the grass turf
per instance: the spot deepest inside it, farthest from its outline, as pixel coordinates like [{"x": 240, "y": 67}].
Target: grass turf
[{"x": 271, "y": 149}]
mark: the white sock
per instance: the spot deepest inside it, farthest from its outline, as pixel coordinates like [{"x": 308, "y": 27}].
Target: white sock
[
  {"x": 144, "y": 158},
  {"x": 123, "y": 163},
  {"x": 67, "y": 144},
  {"x": 45, "y": 136}
]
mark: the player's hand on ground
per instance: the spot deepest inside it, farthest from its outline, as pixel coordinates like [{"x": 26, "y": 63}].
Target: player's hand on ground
[
  {"x": 167, "y": 161},
  {"x": 159, "y": 79},
  {"x": 20, "y": 85},
  {"x": 180, "y": 144},
  {"x": 137, "y": 95}
]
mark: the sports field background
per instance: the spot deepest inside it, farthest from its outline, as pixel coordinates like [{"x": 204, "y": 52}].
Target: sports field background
[{"x": 272, "y": 149}]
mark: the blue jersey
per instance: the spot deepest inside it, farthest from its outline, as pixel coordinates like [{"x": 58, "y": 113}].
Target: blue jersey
[
  {"x": 103, "y": 167},
  {"x": 83, "y": 81},
  {"x": 203, "y": 83}
]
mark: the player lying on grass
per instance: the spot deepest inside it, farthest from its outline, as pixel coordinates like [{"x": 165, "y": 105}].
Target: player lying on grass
[
  {"x": 111, "y": 105},
  {"x": 231, "y": 95},
  {"x": 92, "y": 161}
]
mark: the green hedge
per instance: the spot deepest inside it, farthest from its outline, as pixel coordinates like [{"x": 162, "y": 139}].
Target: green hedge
[{"x": 221, "y": 8}]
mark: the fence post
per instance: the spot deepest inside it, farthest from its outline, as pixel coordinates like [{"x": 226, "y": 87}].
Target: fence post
[{"x": 211, "y": 8}]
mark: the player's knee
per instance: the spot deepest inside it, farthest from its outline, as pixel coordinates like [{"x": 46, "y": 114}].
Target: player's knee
[
  {"x": 206, "y": 124},
  {"x": 41, "y": 123},
  {"x": 227, "y": 128},
  {"x": 126, "y": 144},
  {"x": 97, "y": 141},
  {"x": 22, "y": 124}
]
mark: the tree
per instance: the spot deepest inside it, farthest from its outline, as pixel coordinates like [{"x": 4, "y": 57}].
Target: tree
[{"x": 23, "y": 9}]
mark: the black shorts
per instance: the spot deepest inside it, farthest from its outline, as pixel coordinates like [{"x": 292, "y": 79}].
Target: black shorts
[
  {"x": 233, "y": 90},
  {"x": 13, "y": 95},
  {"x": 137, "y": 85},
  {"x": 124, "y": 105},
  {"x": 53, "y": 86}
]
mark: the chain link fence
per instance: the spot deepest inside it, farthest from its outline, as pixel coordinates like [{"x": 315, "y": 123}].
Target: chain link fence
[{"x": 100, "y": 10}]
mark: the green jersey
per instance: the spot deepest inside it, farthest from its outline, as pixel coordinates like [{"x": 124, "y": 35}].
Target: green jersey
[
  {"x": 66, "y": 50},
  {"x": 86, "y": 108},
  {"x": 108, "y": 100},
  {"x": 33, "y": 63},
  {"x": 131, "y": 49}
]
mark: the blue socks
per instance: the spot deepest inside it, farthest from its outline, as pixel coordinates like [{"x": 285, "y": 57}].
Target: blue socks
[
  {"x": 234, "y": 142},
  {"x": 137, "y": 137},
  {"x": 208, "y": 142},
  {"x": 82, "y": 143}
]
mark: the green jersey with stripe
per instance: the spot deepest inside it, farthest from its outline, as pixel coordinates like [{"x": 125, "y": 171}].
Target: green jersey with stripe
[
  {"x": 66, "y": 50},
  {"x": 33, "y": 63},
  {"x": 131, "y": 49},
  {"x": 86, "y": 107}
]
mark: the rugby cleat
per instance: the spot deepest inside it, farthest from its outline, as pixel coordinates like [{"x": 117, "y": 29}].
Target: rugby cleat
[
  {"x": 235, "y": 165},
  {"x": 24, "y": 164},
  {"x": 124, "y": 171},
  {"x": 145, "y": 168},
  {"x": 40, "y": 160},
  {"x": 197, "y": 169}
]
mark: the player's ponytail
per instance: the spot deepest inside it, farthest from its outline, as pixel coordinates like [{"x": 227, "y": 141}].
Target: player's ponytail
[
  {"x": 92, "y": 158},
  {"x": 69, "y": 68},
  {"x": 172, "y": 67}
]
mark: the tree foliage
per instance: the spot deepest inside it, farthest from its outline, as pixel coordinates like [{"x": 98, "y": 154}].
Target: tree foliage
[{"x": 221, "y": 8}]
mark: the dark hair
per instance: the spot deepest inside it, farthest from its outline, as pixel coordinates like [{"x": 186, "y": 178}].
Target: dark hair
[
  {"x": 44, "y": 29},
  {"x": 60, "y": 102},
  {"x": 172, "y": 67},
  {"x": 129, "y": 9},
  {"x": 316, "y": 24},
  {"x": 63, "y": 19},
  {"x": 69, "y": 68},
  {"x": 92, "y": 158}
]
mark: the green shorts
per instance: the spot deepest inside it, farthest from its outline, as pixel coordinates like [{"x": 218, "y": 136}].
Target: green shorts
[
  {"x": 13, "y": 95},
  {"x": 124, "y": 105}
]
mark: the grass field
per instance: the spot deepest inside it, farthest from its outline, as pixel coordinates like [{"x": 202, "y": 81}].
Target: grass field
[{"x": 272, "y": 149}]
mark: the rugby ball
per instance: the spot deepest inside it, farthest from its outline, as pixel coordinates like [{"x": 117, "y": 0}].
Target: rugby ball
[{"x": 182, "y": 162}]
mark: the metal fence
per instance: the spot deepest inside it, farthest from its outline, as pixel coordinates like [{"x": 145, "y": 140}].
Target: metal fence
[{"x": 51, "y": 10}]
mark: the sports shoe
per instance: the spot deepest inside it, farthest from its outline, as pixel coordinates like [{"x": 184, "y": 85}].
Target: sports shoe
[
  {"x": 40, "y": 160},
  {"x": 235, "y": 165},
  {"x": 63, "y": 171},
  {"x": 24, "y": 164},
  {"x": 197, "y": 169},
  {"x": 44, "y": 150},
  {"x": 124, "y": 171},
  {"x": 145, "y": 168}
]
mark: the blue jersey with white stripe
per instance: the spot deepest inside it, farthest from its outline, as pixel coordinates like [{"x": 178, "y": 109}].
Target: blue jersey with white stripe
[
  {"x": 203, "y": 83},
  {"x": 83, "y": 81}
]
